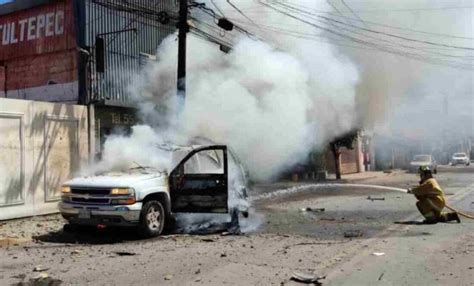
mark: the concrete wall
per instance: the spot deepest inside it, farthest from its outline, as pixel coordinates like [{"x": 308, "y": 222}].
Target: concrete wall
[{"x": 41, "y": 145}]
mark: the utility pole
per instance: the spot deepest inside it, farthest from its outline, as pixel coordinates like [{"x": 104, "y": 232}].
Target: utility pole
[{"x": 183, "y": 28}]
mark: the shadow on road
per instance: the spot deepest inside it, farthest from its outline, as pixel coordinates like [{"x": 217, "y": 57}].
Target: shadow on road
[
  {"x": 111, "y": 235},
  {"x": 90, "y": 236},
  {"x": 409, "y": 222}
]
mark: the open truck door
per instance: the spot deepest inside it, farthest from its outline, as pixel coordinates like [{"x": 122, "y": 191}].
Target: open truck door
[{"x": 199, "y": 183}]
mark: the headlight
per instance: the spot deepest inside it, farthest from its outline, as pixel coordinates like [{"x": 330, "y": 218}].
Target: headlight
[
  {"x": 65, "y": 190},
  {"x": 122, "y": 191}
]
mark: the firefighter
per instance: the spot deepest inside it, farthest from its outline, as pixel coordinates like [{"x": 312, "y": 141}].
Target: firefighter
[{"x": 431, "y": 199}]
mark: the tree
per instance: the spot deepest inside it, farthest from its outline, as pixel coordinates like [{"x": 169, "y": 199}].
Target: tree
[{"x": 344, "y": 140}]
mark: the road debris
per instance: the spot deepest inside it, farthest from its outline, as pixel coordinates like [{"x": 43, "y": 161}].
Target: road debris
[
  {"x": 353, "y": 233},
  {"x": 168, "y": 277},
  {"x": 317, "y": 210},
  {"x": 381, "y": 276},
  {"x": 208, "y": 240},
  {"x": 41, "y": 276},
  {"x": 40, "y": 268},
  {"x": 21, "y": 276},
  {"x": 376, "y": 198},
  {"x": 76, "y": 252},
  {"x": 306, "y": 278},
  {"x": 125, "y": 253},
  {"x": 378, "y": 253}
]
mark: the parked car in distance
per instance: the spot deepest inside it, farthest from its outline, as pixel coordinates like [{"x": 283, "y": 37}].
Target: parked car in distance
[
  {"x": 423, "y": 160},
  {"x": 147, "y": 199},
  {"x": 460, "y": 158}
]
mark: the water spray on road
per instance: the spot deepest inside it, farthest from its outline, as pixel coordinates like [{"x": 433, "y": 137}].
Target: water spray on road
[{"x": 298, "y": 189}]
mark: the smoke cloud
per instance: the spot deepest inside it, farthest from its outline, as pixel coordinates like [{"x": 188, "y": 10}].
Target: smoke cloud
[
  {"x": 274, "y": 101},
  {"x": 423, "y": 91},
  {"x": 272, "y": 106}
]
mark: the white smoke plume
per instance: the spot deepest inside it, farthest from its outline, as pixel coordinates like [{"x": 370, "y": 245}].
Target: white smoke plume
[
  {"x": 427, "y": 99},
  {"x": 271, "y": 105},
  {"x": 139, "y": 150}
]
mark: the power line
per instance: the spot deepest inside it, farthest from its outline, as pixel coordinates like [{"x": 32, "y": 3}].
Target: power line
[
  {"x": 394, "y": 44},
  {"x": 334, "y": 7},
  {"x": 303, "y": 35},
  {"x": 217, "y": 7},
  {"x": 353, "y": 13},
  {"x": 315, "y": 13},
  {"x": 399, "y": 37},
  {"x": 414, "y": 9},
  {"x": 390, "y": 35},
  {"x": 212, "y": 13},
  {"x": 402, "y": 53}
]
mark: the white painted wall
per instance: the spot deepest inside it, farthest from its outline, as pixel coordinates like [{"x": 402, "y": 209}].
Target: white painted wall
[{"x": 41, "y": 145}]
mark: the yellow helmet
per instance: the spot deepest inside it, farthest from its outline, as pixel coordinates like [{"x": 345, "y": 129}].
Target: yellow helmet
[{"x": 424, "y": 170}]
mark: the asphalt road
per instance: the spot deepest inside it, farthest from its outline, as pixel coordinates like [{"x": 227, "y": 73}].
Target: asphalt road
[{"x": 338, "y": 242}]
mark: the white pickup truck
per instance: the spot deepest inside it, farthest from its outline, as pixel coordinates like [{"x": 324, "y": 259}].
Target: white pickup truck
[{"x": 147, "y": 198}]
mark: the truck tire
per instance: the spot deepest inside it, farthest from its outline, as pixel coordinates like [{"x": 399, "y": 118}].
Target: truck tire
[{"x": 152, "y": 219}]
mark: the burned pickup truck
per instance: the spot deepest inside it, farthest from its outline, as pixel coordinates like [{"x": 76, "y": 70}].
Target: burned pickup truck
[{"x": 147, "y": 198}]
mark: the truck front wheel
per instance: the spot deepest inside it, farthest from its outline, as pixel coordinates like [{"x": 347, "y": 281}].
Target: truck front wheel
[{"x": 152, "y": 219}]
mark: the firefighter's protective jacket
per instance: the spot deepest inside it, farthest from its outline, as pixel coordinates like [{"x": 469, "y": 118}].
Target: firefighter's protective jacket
[{"x": 429, "y": 189}]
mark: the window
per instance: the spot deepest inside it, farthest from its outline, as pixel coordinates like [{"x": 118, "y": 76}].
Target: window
[{"x": 205, "y": 162}]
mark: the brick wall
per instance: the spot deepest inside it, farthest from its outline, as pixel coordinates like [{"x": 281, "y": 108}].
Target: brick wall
[{"x": 33, "y": 71}]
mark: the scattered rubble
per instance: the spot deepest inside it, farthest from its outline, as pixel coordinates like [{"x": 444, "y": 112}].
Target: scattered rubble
[
  {"x": 375, "y": 198},
  {"x": 125, "y": 253},
  {"x": 76, "y": 252},
  {"x": 40, "y": 268},
  {"x": 41, "y": 276},
  {"x": 306, "y": 278},
  {"x": 353, "y": 233},
  {"x": 313, "y": 209},
  {"x": 42, "y": 279}
]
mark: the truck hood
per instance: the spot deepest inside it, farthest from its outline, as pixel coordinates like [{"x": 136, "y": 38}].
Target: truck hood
[{"x": 116, "y": 180}]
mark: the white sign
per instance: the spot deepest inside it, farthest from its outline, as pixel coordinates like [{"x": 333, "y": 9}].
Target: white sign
[{"x": 32, "y": 28}]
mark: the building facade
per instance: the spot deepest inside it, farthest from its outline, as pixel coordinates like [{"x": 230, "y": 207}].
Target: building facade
[
  {"x": 81, "y": 52},
  {"x": 65, "y": 68}
]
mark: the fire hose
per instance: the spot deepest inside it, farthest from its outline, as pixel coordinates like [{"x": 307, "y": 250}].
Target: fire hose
[
  {"x": 459, "y": 212},
  {"x": 302, "y": 188},
  {"x": 463, "y": 214}
]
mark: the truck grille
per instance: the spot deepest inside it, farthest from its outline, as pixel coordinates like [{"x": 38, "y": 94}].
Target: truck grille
[
  {"x": 91, "y": 192},
  {"x": 96, "y": 201}
]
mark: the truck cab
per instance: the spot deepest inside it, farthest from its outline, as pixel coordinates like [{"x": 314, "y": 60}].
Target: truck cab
[{"x": 147, "y": 198}]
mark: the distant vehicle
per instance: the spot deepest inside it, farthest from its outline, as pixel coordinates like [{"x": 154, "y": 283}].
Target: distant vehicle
[
  {"x": 460, "y": 158},
  {"x": 423, "y": 160}
]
